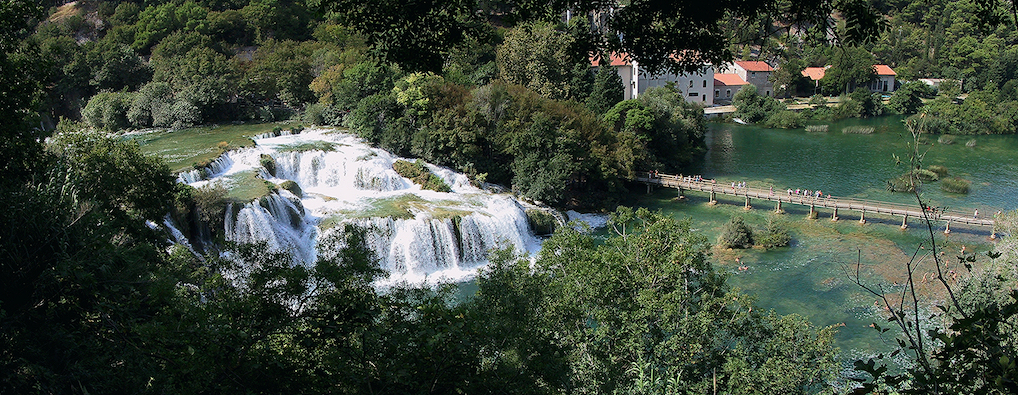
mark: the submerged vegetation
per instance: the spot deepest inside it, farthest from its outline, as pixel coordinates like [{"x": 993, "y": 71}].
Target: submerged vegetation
[
  {"x": 955, "y": 185},
  {"x": 857, "y": 130}
]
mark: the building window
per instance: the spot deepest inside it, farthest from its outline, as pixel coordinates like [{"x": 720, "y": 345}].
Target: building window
[
  {"x": 690, "y": 83},
  {"x": 768, "y": 93},
  {"x": 704, "y": 98},
  {"x": 728, "y": 93},
  {"x": 694, "y": 94},
  {"x": 717, "y": 93},
  {"x": 704, "y": 83}
]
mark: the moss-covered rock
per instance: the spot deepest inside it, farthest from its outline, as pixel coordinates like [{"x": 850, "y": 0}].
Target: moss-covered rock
[
  {"x": 420, "y": 175},
  {"x": 542, "y": 223},
  {"x": 268, "y": 163},
  {"x": 292, "y": 186}
]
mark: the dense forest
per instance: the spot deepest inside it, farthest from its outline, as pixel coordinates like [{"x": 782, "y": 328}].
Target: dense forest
[{"x": 94, "y": 299}]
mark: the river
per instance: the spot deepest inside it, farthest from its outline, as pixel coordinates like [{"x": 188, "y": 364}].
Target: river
[{"x": 812, "y": 277}]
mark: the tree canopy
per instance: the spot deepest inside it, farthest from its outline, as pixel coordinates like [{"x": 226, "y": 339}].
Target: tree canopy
[{"x": 661, "y": 35}]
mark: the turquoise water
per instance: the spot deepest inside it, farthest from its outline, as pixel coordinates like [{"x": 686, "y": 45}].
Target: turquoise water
[{"x": 812, "y": 277}]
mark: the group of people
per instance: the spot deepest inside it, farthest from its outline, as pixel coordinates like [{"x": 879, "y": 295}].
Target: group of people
[{"x": 818, "y": 194}]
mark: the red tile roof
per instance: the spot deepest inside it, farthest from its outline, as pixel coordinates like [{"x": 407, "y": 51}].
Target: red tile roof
[
  {"x": 728, "y": 80},
  {"x": 883, "y": 69},
  {"x": 814, "y": 73},
  {"x": 754, "y": 65},
  {"x": 616, "y": 60}
]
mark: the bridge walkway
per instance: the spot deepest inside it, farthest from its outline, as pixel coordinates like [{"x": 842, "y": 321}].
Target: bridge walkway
[{"x": 835, "y": 203}]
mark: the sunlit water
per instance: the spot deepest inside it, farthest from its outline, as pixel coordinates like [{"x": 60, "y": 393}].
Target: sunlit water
[
  {"x": 813, "y": 277},
  {"x": 418, "y": 235}
]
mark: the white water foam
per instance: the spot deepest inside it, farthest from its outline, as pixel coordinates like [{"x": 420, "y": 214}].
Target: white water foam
[{"x": 439, "y": 237}]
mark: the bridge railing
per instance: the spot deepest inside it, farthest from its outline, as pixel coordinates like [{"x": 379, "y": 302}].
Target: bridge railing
[{"x": 866, "y": 205}]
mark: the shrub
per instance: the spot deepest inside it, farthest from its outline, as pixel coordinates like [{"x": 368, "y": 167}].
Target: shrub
[
  {"x": 541, "y": 222},
  {"x": 940, "y": 170},
  {"x": 210, "y": 202},
  {"x": 784, "y": 119},
  {"x": 955, "y": 185},
  {"x": 946, "y": 139},
  {"x": 735, "y": 234},
  {"x": 774, "y": 235},
  {"x": 817, "y": 128},
  {"x": 926, "y": 175},
  {"x": 420, "y": 175},
  {"x": 108, "y": 110}
]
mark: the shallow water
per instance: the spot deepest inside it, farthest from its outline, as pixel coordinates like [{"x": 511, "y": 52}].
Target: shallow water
[{"x": 812, "y": 277}]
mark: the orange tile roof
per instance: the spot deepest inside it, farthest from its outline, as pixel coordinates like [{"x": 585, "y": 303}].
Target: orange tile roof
[
  {"x": 883, "y": 69},
  {"x": 814, "y": 73},
  {"x": 616, "y": 60},
  {"x": 754, "y": 65},
  {"x": 728, "y": 80}
]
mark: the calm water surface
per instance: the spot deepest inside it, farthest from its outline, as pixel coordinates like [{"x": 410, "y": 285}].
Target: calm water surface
[{"x": 812, "y": 276}]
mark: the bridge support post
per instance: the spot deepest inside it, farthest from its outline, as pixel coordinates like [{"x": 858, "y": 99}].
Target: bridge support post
[
  {"x": 812, "y": 212},
  {"x": 862, "y": 217},
  {"x": 648, "y": 188},
  {"x": 681, "y": 196},
  {"x": 904, "y": 222},
  {"x": 777, "y": 208},
  {"x": 834, "y": 217},
  {"x": 713, "y": 197},
  {"x": 947, "y": 228},
  {"x": 748, "y": 207}
]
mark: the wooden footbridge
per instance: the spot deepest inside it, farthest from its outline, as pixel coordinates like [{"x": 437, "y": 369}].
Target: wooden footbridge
[{"x": 833, "y": 203}]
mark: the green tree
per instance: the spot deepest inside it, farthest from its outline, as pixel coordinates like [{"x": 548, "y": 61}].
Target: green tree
[
  {"x": 788, "y": 79},
  {"x": 115, "y": 66},
  {"x": 908, "y": 99},
  {"x": 540, "y": 57},
  {"x": 417, "y": 37},
  {"x": 751, "y": 107},
  {"x": 646, "y": 309},
  {"x": 851, "y": 67},
  {"x": 108, "y": 110},
  {"x": 21, "y": 71},
  {"x": 607, "y": 91},
  {"x": 735, "y": 234}
]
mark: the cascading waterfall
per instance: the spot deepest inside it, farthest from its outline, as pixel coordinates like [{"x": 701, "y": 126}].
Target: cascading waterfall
[
  {"x": 278, "y": 220},
  {"x": 217, "y": 167},
  {"x": 416, "y": 234},
  {"x": 424, "y": 244}
]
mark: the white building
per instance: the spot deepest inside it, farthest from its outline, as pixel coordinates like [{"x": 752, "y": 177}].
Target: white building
[
  {"x": 695, "y": 88},
  {"x": 885, "y": 79},
  {"x": 726, "y": 86},
  {"x": 755, "y": 72}
]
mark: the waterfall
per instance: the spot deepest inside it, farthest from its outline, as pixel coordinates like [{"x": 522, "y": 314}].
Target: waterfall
[
  {"x": 213, "y": 169},
  {"x": 416, "y": 234},
  {"x": 278, "y": 220},
  {"x": 425, "y": 245}
]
